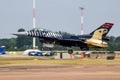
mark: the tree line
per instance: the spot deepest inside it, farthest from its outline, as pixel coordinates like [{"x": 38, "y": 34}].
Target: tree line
[{"x": 21, "y": 43}]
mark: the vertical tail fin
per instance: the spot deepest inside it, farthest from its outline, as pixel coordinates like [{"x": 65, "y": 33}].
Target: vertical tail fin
[
  {"x": 102, "y": 31},
  {"x": 98, "y": 36}
]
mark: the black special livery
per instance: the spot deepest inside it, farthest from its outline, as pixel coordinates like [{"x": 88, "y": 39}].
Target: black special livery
[{"x": 95, "y": 39}]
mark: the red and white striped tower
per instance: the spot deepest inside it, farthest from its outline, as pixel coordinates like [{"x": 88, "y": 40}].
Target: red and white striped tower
[
  {"x": 34, "y": 24},
  {"x": 82, "y": 21}
]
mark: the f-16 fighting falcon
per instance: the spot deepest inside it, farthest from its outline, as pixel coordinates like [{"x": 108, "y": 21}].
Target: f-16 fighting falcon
[{"x": 95, "y": 39}]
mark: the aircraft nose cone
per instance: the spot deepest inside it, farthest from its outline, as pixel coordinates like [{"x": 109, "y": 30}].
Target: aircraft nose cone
[{"x": 21, "y": 34}]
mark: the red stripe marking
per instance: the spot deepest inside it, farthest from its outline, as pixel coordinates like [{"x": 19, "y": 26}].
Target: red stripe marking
[{"x": 108, "y": 24}]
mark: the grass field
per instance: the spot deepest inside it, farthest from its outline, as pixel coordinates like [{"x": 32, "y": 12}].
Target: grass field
[{"x": 36, "y": 60}]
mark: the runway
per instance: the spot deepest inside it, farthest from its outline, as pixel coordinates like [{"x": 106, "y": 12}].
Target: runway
[
  {"x": 20, "y": 67},
  {"x": 60, "y": 72}
]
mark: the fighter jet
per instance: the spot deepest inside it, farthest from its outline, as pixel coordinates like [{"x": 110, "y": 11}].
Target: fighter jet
[{"x": 94, "y": 39}]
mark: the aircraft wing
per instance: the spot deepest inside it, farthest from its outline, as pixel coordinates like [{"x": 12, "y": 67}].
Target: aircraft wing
[{"x": 70, "y": 42}]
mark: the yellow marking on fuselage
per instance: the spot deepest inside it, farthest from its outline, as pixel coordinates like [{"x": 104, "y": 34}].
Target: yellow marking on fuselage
[{"x": 96, "y": 39}]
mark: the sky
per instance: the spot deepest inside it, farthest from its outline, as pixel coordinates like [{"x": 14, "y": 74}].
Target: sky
[{"x": 58, "y": 15}]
